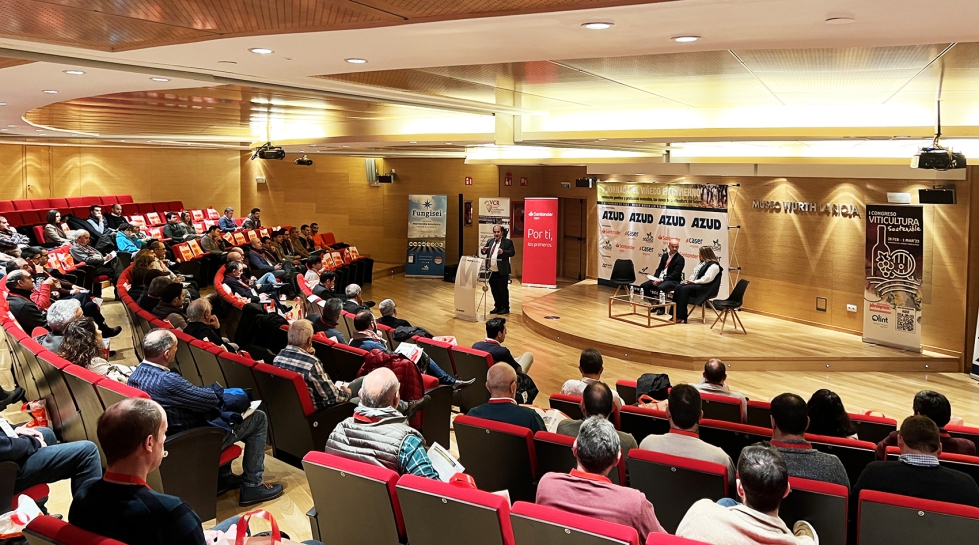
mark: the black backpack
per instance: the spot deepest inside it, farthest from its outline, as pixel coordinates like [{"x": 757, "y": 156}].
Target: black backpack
[{"x": 107, "y": 242}]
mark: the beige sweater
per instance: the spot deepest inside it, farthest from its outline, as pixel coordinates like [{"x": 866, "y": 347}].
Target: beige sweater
[{"x": 708, "y": 522}]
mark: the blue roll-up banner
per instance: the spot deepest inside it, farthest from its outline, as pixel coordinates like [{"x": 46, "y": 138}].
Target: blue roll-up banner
[{"x": 426, "y": 235}]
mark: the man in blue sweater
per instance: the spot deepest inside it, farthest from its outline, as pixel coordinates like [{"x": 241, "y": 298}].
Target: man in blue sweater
[
  {"x": 190, "y": 406},
  {"x": 501, "y": 381}
]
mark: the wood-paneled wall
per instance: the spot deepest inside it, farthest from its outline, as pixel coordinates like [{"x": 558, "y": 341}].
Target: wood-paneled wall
[{"x": 334, "y": 193}]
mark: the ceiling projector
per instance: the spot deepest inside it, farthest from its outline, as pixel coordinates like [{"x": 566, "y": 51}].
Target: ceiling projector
[
  {"x": 937, "y": 158},
  {"x": 268, "y": 151},
  {"x": 304, "y": 161}
]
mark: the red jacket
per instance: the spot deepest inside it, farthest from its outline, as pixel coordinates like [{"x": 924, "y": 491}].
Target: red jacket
[{"x": 409, "y": 376}]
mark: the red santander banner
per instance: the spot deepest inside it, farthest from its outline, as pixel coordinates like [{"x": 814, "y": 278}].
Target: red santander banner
[{"x": 540, "y": 243}]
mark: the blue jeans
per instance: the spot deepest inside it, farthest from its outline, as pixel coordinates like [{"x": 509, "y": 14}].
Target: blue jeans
[
  {"x": 226, "y": 524},
  {"x": 78, "y": 461},
  {"x": 266, "y": 279},
  {"x": 437, "y": 372},
  {"x": 252, "y": 431}
]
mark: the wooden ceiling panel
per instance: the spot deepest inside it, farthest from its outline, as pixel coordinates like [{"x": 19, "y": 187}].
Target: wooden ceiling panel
[
  {"x": 7, "y": 63},
  {"x": 114, "y": 25}
]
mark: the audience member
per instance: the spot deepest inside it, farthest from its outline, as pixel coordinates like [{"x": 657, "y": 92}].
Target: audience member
[
  {"x": 200, "y": 323},
  {"x": 697, "y": 284},
  {"x": 828, "y": 417},
  {"x": 684, "y": 412},
  {"x": 82, "y": 345},
  {"x": 95, "y": 222},
  {"x": 306, "y": 238},
  {"x": 300, "y": 357},
  {"x": 20, "y": 287},
  {"x": 171, "y": 302},
  {"x": 297, "y": 243},
  {"x": 389, "y": 315},
  {"x": 591, "y": 366},
  {"x": 213, "y": 243},
  {"x": 917, "y": 473},
  {"x": 176, "y": 230},
  {"x": 328, "y": 321},
  {"x": 115, "y": 219},
  {"x": 789, "y": 423},
  {"x": 235, "y": 280},
  {"x": 188, "y": 406},
  {"x": 501, "y": 381},
  {"x": 59, "y": 316},
  {"x": 587, "y": 489},
  {"x": 133, "y": 433},
  {"x": 151, "y": 297},
  {"x": 188, "y": 221},
  {"x": 261, "y": 263},
  {"x": 324, "y": 290},
  {"x": 314, "y": 229},
  {"x": 253, "y": 220},
  {"x": 314, "y": 266},
  {"x": 10, "y": 240},
  {"x": 53, "y": 233},
  {"x": 596, "y": 402},
  {"x": 936, "y": 407},
  {"x": 378, "y": 434},
  {"x": 82, "y": 253},
  {"x": 715, "y": 376},
  {"x": 126, "y": 239},
  {"x": 227, "y": 221},
  {"x": 496, "y": 332},
  {"x": 762, "y": 483},
  {"x": 354, "y": 302}
]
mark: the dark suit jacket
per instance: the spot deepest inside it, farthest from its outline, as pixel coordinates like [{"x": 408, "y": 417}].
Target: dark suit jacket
[
  {"x": 113, "y": 222},
  {"x": 503, "y": 260},
  {"x": 239, "y": 288},
  {"x": 27, "y": 314},
  {"x": 392, "y": 322},
  {"x": 500, "y": 353},
  {"x": 258, "y": 262},
  {"x": 320, "y": 291},
  {"x": 510, "y": 414},
  {"x": 674, "y": 271},
  {"x": 352, "y": 307}
]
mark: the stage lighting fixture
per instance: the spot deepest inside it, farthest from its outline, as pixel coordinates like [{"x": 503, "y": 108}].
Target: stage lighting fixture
[
  {"x": 268, "y": 151},
  {"x": 304, "y": 161}
]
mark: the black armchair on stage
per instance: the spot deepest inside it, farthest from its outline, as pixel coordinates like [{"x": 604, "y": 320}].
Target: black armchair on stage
[
  {"x": 730, "y": 305},
  {"x": 624, "y": 274}
]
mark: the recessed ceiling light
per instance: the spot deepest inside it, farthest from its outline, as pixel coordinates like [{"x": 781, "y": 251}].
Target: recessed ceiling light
[
  {"x": 4, "y": 130},
  {"x": 685, "y": 39},
  {"x": 160, "y": 79},
  {"x": 344, "y": 146},
  {"x": 261, "y": 50},
  {"x": 598, "y": 26},
  {"x": 39, "y": 130},
  {"x": 413, "y": 142},
  {"x": 356, "y": 61},
  {"x": 122, "y": 140},
  {"x": 638, "y": 141},
  {"x": 448, "y": 143},
  {"x": 11, "y": 125},
  {"x": 50, "y": 91},
  {"x": 74, "y": 72},
  {"x": 227, "y": 62},
  {"x": 839, "y": 20},
  {"x": 312, "y": 145},
  {"x": 602, "y": 139},
  {"x": 3, "y": 103}
]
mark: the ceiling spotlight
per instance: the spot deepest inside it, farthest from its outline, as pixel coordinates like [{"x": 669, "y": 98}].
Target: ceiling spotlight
[
  {"x": 3, "y": 103},
  {"x": 50, "y": 91},
  {"x": 598, "y": 26},
  {"x": 638, "y": 141},
  {"x": 303, "y": 161},
  {"x": 448, "y": 143},
  {"x": 356, "y": 61},
  {"x": 227, "y": 62},
  {"x": 344, "y": 146},
  {"x": 38, "y": 130},
  {"x": 261, "y": 50},
  {"x": 74, "y": 72},
  {"x": 845, "y": 20},
  {"x": 4, "y": 130},
  {"x": 685, "y": 39},
  {"x": 413, "y": 142},
  {"x": 160, "y": 79},
  {"x": 312, "y": 145}
]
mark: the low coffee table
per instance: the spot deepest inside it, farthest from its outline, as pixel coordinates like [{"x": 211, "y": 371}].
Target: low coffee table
[{"x": 647, "y": 305}]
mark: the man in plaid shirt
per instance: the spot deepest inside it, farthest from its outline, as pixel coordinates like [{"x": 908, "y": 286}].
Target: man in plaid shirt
[
  {"x": 299, "y": 357},
  {"x": 10, "y": 240}
]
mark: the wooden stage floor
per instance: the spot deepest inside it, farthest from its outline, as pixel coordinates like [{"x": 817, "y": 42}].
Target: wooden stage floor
[{"x": 771, "y": 343}]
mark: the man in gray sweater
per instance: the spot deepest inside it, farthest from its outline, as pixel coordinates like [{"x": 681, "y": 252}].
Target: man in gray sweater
[{"x": 789, "y": 422}]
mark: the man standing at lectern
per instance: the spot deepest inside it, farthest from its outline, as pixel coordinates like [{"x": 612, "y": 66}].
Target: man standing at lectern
[
  {"x": 667, "y": 275},
  {"x": 498, "y": 251}
]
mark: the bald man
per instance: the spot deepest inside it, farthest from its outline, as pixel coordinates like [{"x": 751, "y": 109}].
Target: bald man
[
  {"x": 501, "y": 381},
  {"x": 715, "y": 377},
  {"x": 378, "y": 434}
]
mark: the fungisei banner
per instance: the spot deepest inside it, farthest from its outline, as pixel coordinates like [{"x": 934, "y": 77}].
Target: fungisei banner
[
  {"x": 636, "y": 221},
  {"x": 426, "y": 235},
  {"x": 892, "y": 292},
  {"x": 540, "y": 243}
]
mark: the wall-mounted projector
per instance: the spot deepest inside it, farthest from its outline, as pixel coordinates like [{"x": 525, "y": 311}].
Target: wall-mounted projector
[
  {"x": 268, "y": 151},
  {"x": 937, "y": 158},
  {"x": 304, "y": 161}
]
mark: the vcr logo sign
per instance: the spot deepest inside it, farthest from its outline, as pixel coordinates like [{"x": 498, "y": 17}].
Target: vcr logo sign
[
  {"x": 707, "y": 223},
  {"x": 612, "y": 215},
  {"x": 637, "y": 217}
]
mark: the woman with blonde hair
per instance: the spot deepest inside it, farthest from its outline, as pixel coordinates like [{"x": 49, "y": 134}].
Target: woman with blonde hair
[{"x": 698, "y": 283}]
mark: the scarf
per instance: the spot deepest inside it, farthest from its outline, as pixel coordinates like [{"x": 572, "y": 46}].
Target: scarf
[{"x": 377, "y": 413}]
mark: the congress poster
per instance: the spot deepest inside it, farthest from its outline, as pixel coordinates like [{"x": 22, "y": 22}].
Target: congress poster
[
  {"x": 493, "y": 211},
  {"x": 892, "y": 291},
  {"x": 426, "y": 236},
  {"x": 636, "y": 221}
]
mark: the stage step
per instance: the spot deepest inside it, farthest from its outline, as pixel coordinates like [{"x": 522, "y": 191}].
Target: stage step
[{"x": 387, "y": 269}]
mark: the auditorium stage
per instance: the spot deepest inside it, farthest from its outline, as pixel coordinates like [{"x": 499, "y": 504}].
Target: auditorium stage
[{"x": 771, "y": 343}]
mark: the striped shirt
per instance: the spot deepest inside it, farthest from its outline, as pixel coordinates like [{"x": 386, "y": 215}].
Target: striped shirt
[
  {"x": 919, "y": 460},
  {"x": 321, "y": 389},
  {"x": 187, "y": 406}
]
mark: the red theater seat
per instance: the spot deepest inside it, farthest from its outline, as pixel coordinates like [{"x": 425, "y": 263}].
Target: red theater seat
[
  {"x": 498, "y": 456},
  {"x": 145, "y": 208},
  {"x": 759, "y": 414},
  {"x": 46, "y": 530},
  {"x": 667, "y": 539},
  {"x": 555, "y": 454},
  {"x": 124, "y": 199},
  {"x": 58, "y": 203},
  {"x": 540, "y": 524},
  {"x": 891, "y": 519},
  {"x": 471, "y": 364},
  {"x": 673, "y": 483},
  {"x": 822, "y": 504},
  {"x": 853, "y": 453},
  {"x": 175, "y": 206},
  {"x": 14, "y": 218},
  {"x": 23, "y": 204},
  {"x": 80, "y": 212},
  {"x": 107, "y": 200},
  {"x": 6, "y": 206},
  {"x": 732, "y": 437},
  {"x": 367, "y": 512},
  {"x": 626, "y": 390},
  {"x": 721, "y": 407},
  {"x": 40, "y": 204},
  {"x": 75, "y": 202},
  {"x": 89, "y": 200},
  {"x": 873, "y": 428},
  {"x": 964, "y": 432},
  {"x": 439, "y": 513},
  {"x": 32, "y": 217},
  {"x": 641, "y": 422}
]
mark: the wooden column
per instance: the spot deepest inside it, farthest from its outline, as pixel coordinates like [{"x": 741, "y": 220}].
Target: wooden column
[{"x": 972, "y": 280}]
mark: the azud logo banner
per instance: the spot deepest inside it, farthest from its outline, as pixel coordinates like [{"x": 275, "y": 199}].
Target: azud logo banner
[
  {"x": 540, "y": 243},
  {"x": 637, "y": 221},
  {"x": 426, "y": 235}
]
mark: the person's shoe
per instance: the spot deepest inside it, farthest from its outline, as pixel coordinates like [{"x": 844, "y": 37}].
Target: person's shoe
[
  {"x": 804, "y": 529},
  {"x": 12, "y": 396},
  {"x": 415, "y": 406},
  {"x": 660, "y": 312},
  {"x": 250, "y": 495},
  {"x": 227, "y": 483},
  {"x": 110, "y": 332},
  {"x": 504, "y": 311},
  {"x": 494, "y": 311},
  {"x": 460, "y": 384}
]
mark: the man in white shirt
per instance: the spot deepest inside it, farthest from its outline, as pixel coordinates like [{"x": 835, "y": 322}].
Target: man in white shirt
[
  {"x": 684, "y": 412},
  {"x": 591, "y": 366},
  {"x": 668, "y": 274},
  {"x": 715, "y": 375},
  {"x": 314, "y": 266}
]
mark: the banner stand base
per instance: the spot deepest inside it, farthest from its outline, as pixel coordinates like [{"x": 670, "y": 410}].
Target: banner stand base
[
  {"x": 549, "y": 286},
  {"x": 878, "y": 342}
]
